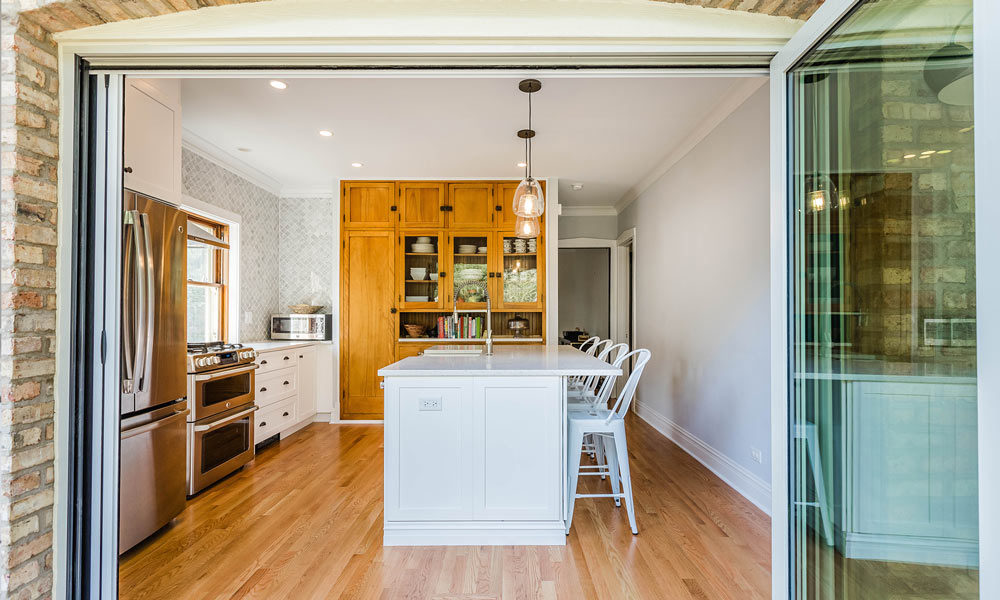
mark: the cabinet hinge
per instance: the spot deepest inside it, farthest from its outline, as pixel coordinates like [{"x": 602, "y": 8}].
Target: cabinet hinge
[{"x": 344, "y": 218}]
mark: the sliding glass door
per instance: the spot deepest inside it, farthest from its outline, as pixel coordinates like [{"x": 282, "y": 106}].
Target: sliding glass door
[{"x": 881, "y": 381}]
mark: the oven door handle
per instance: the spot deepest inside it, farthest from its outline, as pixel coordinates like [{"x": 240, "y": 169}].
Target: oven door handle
[
  {"x": 227, "y": 373},
  {"x": 229, "y": 419}
]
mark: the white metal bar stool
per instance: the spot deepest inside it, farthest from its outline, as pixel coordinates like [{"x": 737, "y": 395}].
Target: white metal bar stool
[
  {"x": 609, "y": 428},
  {"x": 806, "y": 432},
  {"x": 588, "y": 347},
  {"x": 588, "y": 396},
  {"x": 589, "y": 382}
]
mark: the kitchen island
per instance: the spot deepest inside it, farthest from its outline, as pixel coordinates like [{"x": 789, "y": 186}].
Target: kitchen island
[{"x": 475, "y": 446}]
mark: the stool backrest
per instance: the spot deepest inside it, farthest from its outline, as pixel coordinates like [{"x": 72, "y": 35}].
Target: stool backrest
[
  {"x": 628, "y": 392},
  {"x": 603, "y": 350},
  {"x": 590, "y": 346},
  {"x": 616, "y": 356}
]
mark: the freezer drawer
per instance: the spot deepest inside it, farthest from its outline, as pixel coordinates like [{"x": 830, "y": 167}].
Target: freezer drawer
[{"x": 153, "y": 473}]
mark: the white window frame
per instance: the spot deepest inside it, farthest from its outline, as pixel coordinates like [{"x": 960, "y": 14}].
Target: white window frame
[
  {"x": 987, "y": 141},
  {"x": 232, "y": 221}
]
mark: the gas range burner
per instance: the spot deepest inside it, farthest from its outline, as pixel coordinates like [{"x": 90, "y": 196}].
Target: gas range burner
[
  {"x": 203, "y": 347},
  {"x": 216, "y": 355}
]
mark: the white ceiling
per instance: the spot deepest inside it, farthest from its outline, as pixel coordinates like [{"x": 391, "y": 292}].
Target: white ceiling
[{"x": 607, "y": 133}]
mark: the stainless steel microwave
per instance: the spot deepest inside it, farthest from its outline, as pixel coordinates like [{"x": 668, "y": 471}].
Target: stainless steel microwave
[{"x": 301, "y": 327}]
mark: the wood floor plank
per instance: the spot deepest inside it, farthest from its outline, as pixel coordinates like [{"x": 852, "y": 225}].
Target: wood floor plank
[{"x": 305, "y": 521}]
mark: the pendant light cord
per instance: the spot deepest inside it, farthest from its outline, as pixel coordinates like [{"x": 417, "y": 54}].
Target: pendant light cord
[{"x": 529, "y": 139}]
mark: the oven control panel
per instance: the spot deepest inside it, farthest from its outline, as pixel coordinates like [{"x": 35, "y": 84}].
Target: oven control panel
[{"x": 210, "y": 361}]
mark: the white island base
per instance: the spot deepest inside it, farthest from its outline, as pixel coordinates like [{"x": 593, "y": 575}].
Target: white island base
[{"x": 475, "y": 447}]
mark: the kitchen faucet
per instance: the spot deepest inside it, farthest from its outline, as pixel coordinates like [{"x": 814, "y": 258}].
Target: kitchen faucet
[{"x": 489, "y": 326}]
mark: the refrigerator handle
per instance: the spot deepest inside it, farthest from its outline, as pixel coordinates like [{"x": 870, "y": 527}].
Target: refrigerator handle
[
  {"x": 147, "y": 303},
  {"x": 130, "y": 328}
]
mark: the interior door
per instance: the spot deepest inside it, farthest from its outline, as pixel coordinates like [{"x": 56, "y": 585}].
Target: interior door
[
  {"x": 876, "y": 365},
  {"x": 369, "y": 320}
]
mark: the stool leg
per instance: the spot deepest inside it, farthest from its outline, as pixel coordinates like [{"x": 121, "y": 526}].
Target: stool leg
[
  {"x": 612, "y": 460},
  {"x": 622, "y": 450},
  {"x": 599, "y": 451},
  {"x": 573, "y": 470}
]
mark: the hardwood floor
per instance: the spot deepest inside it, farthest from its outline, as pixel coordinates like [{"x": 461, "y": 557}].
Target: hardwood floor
[{"x": 305, "y": 521}]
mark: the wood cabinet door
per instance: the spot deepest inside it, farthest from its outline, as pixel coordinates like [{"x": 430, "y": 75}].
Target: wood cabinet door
[
  {"x": 504, "y": 208},
  {"x": 369, "y": 205},
  {"x": 421, "y": 204},
  {"x": 470, "y": 205},
  {"x": 368, "y": 320},
  {"x": 421, "y": 259},
  {"x": 152, "y": 142},
  {"x": 519, "y": 278},
  {"x": 306, "y": 397}
]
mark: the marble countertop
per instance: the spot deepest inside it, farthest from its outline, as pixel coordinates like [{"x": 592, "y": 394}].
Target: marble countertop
[
  {"x": 524, "y": 361},
  {"x": 268, "y": 345}
]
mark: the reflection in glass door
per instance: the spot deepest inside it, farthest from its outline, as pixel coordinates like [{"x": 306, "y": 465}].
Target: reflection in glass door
[{"x": 883, "y": 462}]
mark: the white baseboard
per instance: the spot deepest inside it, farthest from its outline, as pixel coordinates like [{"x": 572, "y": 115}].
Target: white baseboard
[
  {"x": 322, "y": 417},
  {"x": 355, "y": 422},
  {"x": 486, "y": 533},
  {"x": 738, "y": 477},
  {"x": 911, "y": 549}
]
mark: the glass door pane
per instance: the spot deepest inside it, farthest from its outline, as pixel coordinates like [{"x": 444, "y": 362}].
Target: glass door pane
[
  {"x": 519, "y": 281},
  {"x": 883, "y": 463},
  {"x": 470, "y": 264},
  {"x": 421, "y": 269}
]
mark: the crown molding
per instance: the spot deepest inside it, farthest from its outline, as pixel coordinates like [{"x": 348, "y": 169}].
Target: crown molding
[
  {"x": 209, "y": 151},
  {"x": 316, "y": 191},
  {"x": 588, "y": 211},
  {"x": 739, "y": 93}
]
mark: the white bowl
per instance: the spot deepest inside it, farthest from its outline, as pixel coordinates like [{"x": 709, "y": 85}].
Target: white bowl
[
  {"x": 466, "y": 249},
  {"x": 470, "y": 274},
  {"x": 483, "y": 249},
  {"x": 422, "y": 248},
  {"x": 423, "y": 240},
  {"x": 434, "y": 276},
  {"x": 418, "y": 298},
  {"x": 418, "y": 273}
]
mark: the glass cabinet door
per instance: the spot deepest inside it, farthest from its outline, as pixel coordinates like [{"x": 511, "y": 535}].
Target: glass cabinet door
[
  {"x": 470, "y": 268},
  {"x": 519, "y": 280},
  {"x": 421, "y": 264}
]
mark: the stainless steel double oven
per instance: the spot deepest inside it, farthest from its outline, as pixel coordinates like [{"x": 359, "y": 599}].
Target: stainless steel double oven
[{"x": 220, "y": 422}]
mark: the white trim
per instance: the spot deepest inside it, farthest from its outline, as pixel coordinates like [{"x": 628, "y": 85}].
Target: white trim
[
  {"x": 912, "y": 549},
  {"x": 209, "y": 151},
  {"x": 822, "y": 21},
  {"x": 588, "y": 211},
  {"x": 613, "y": 275},
  {"x": 987, "y": 139},
  {"x": 730, "y": 101},
  {"x": 319, "y": 191},
  {"x": 358, "y": 422},
  {"x": 474, "y": 533},
  {"x": 625, "y": 240},
  {"x": 751, "y": 487},
  {"x": 233, "y": 221}
]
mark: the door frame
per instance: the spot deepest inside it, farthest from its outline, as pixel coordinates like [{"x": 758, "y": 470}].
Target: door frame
[
  {"x": 987, "y": 148},
  {"x": 613, "y": 275}
]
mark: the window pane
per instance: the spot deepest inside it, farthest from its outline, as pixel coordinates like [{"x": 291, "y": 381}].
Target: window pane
[
  {"x": 884, "y": 470},
  {"x": 203, "y": 314},
  {"x": 201, "y": 262}
]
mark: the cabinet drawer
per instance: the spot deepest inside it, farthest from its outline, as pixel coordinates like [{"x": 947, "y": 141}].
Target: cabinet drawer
[
  {"x": 276, "y": 385},
  {"x": 270, "y": 361},
  {"x": 274, "y": 419}
]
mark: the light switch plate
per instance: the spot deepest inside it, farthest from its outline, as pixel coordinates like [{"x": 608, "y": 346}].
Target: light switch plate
[{"x": 430, "y": 404}]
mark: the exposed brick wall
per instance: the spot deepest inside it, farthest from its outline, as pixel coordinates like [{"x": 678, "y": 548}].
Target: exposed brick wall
[
  {"x": 27, "y": 302},
  {"x": 30, "y": 109}
]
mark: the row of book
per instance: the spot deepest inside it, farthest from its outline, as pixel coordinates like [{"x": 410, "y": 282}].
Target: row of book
[{"x": 461, "y": 327}]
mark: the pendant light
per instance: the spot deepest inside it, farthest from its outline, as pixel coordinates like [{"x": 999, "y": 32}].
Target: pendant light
[
  {"x": 527, "y": 227},
  {"x": 948, "y": 71},
  {"x": 529, "y": 200}
]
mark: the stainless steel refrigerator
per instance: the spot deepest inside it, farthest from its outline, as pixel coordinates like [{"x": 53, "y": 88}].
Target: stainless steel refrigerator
[{"x": 153, "y": 380}]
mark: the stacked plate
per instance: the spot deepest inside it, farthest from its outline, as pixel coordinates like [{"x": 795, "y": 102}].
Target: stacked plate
[
  {"x": 418, "y": 298},
  {"x": 470, "y": 274},
  {"x": 422, "y": 248},
  {"x": 466, "y": 248}
]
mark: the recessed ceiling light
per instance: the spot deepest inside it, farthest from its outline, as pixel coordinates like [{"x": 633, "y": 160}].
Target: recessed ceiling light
[
  {"x": 965, "y": 130},
  {"x": 922, "y": 156},
  {"x": 909, "y": 155},
  {"x": 278, "y": 85},
  {"x": 521, "y": 165},
  {"x": 944, "y": 151},
  {"x": 244, "y": 149},
  {"x": 928, "y": 152},
  {"x": 577, "y": 186},
  {"x": 325, "y": 133},
  {"x": 357, "y": 165}
]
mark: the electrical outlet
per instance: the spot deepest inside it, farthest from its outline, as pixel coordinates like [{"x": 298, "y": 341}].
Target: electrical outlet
[
  {"x": 756, "y": 455},
  {"x": 430, "y": 404}
]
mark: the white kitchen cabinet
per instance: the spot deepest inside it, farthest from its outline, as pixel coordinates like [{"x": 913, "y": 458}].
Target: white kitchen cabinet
[
  {"x": 516, "y": 444},
  {"x": 307, "y": 378},
  {"x": 153, "y": 138},
  {"x": 285, "y": 389}
]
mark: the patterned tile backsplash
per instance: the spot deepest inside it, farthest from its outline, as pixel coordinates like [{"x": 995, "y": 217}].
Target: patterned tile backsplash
[{"x": 286, "y": 249}]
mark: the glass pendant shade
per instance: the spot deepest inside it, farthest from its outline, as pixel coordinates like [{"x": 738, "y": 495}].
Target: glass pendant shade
[
  {"x": 527, "y": 227},
  {"x": 529, "y": 201}
]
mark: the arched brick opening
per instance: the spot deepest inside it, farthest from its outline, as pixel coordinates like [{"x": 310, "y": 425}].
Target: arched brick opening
[{"x": 28, "y": 238}]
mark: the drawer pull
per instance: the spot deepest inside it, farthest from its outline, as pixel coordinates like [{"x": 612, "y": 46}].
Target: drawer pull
[
  {"x": 263, "y": 362},
  {"x": 300, "y": 356},
  {"x": 263, "y": 389},
  {"x": 284, "y": 414},
  {"x": 284, "y": 383},
  {"x": 262, "y": 424},
  {"x": 287, "y": 357}
]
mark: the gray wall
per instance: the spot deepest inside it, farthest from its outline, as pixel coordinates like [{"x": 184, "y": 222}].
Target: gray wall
[
  {"x": 605, "y": 228},
  {"x": 307, "y": 256},
  {"x": 702, "y": 245},
  {"x": 584, "y": 290}
]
